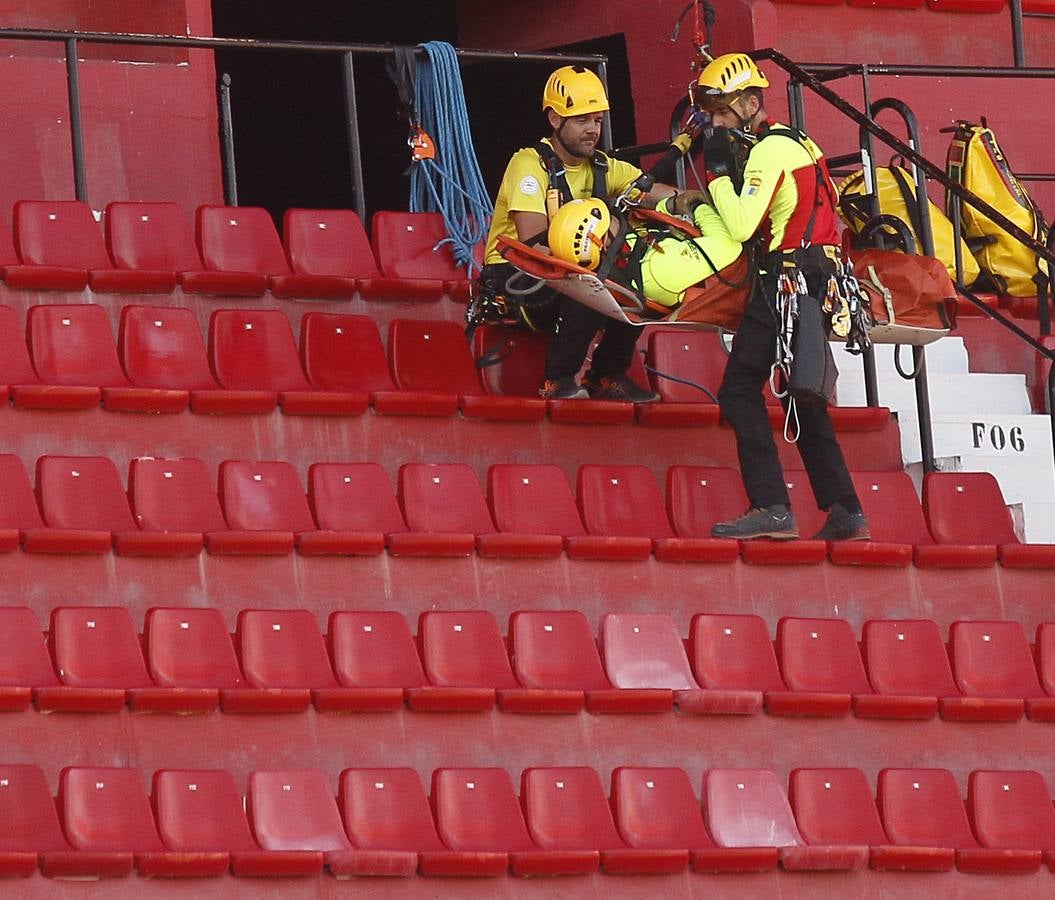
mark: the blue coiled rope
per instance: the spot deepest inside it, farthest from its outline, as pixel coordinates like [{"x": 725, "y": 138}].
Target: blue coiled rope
[{"x": 450, "y": 184}]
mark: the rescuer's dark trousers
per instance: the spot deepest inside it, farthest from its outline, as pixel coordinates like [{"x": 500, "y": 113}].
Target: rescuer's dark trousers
[
  {"x": 575, "y": 329},
  {"x": 743, "y": 406}
]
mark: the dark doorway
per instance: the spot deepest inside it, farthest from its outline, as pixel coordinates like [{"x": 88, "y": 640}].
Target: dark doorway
[{"x": 291, "y": 145}]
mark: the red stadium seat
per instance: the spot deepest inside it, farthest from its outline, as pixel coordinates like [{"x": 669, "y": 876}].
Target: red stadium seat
[
  {"x": 646, "y": 651},
  {"x": 375, "y": 656},
  {"x": 433, "y": 357},
  {"x": 968, "y": 508},
  {"x": 993, "y": 665},
  {"x": 84, "y": 496},
  {"x": 30, "y": 833},
  {"x": 910, "y": 671},
  {"x": 388, "y": 820},
  {"x": 536, "y": 499},
  {"x": 749, "y": 808},
  {"x": 1045, "y": 650},
  {"x": 243, "y": 239},
  {"x": 35, "y": 277},
  {"x": 624, "y": 502},
  {"x": 477, "y": 814},
  {"x": 447, "y": 515},
  {"x": 414, "y": 245},
  {"x": 887, "y": 4},
  {"x": 923, "y": 808},
  {"x": 355, "y": 498},
  {"x": 97, "y": 654},
  {"x": 968, "y": 6},
  {"x": 20, "y": 518},
  {"x": 267, "y": 498},
  {"x": 656, "y": 809},
  {"x": 200, "y": 812},
  {"x": 296, "y": 810},
  {"x": 76, "y": 359},
  {"x": 1012, "y": 811},
  {"x": 162, "y": 348},
  {"x": 190, "y": 650},
  {"x": 465, "y": 650},
  {"x": 24, "y": 661},
  {"x": 333, "y": 243},
  {"x": 345, "y": 353},
  {"x": 895, "y": 520},
  {"x": 566, "y": 810},
  {"x": 16, "y": 369},
  {"x": 254, "y": 350},
  {"x": 159, "y": 237},
  {"x": 835, "y": 807},
  {"x": 555, "y": 652},
  {"x": 698, "y": 497},
  {"x": 821, "y": 657},
  {"x": 695, "y": 356},
  {"x": 733, "y": 660},
  {"x": 283, "y": 652},
  {"x": 176, "y": 498},
  {"x": 510, "y": 360},
  {"x": 106, "y": 811},
  {"x": 64, "y": 240},
  {"x": 100, "y": 662}
]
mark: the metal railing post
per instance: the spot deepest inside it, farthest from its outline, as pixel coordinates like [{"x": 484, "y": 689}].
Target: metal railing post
[
  {"x": 1018, "y": 43},
  {"x": 230, "y": 174},
  {"x": 80, "y": 178},
  {"x": 355, "y": 154}
]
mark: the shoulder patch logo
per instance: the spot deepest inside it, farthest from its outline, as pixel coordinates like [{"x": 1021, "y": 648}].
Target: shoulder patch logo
[{"x": 529, "y": 185}]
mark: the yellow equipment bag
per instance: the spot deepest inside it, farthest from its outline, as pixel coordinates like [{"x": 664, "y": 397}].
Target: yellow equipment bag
[
  {"x": 976, "y": 161},
  {"x": 897, "y": 197}
]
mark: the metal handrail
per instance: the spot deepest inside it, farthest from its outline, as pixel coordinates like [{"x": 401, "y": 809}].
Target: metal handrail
[
  {"x": 348, "y": 51},
  {"x": 802, "y": 75}
]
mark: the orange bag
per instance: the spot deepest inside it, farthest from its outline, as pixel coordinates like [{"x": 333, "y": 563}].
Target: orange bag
[{"x": 912, "y": 297}]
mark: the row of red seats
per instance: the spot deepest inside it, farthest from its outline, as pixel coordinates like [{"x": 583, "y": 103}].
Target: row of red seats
[
  {"x": 160, "y": 363},
  {"x": 195, "y": 824},
  {"x": 277, "y": 661},
  {"x": 232, "y": 251},
  {"x": 171, "y": 508}
]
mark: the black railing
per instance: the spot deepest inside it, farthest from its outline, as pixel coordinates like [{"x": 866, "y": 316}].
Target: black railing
[
  {"x": 347, "y": 52},
  {"x": 813, "y": 75}
]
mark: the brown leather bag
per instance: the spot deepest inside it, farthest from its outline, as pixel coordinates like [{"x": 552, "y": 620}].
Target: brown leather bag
[{"x": 912, "y": 297}]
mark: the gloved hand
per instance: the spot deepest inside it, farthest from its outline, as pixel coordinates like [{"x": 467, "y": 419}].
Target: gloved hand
[
  {"x": 719, "y": 151},
  {"x": 696, "y": 123}
]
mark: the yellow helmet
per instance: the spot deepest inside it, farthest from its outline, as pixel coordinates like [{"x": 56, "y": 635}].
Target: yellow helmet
[
  {"x": 574, "y": 91},
  {"x": 722, "y": 80},
  {"x": 578, "y": 230}
]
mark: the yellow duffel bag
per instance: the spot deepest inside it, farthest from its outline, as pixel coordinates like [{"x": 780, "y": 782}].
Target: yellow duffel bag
[{"x": 897, "y": 197}]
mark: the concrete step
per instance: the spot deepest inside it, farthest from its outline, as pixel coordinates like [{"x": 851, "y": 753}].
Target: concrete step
[
  {"x": 1038, "y": 522},
  {"x": 949, "y": 392},
  {"x": 946, "y": 355}
]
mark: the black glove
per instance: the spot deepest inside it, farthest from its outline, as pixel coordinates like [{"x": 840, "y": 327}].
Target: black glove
[
  {"x": 696, "y": 123},
  {"x": 719, "y": 151}
]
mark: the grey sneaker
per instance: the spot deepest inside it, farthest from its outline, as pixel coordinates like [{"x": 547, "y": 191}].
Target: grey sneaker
[
  {"x": 566, "y": 388},
  {"x": 776, "y": 522},
  {"x": 842, "y": 525},
  {"x": 620, "y": 388}
]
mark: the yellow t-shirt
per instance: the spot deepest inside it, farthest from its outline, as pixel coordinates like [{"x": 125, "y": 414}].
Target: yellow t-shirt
[
  {"x": 676, "y": 263},
  {"x": 526, "y": 181}
]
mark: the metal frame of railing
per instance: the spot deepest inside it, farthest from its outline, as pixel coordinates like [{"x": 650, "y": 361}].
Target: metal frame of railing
[
  {"x": 346, "y": 51},
  {"x": 813, "y": 75}
]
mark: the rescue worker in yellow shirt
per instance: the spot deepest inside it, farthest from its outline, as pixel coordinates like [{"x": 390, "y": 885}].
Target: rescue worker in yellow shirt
[
  {"x": 786, "y": 195},
  {"x": 566, "y": 166}
]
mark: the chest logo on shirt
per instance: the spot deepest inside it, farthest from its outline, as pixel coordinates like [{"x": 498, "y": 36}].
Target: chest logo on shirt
[{"x": 529, "y": 185}]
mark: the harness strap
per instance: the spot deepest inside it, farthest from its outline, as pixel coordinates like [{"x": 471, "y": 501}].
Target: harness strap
[{"x": 559, "y": 191}]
